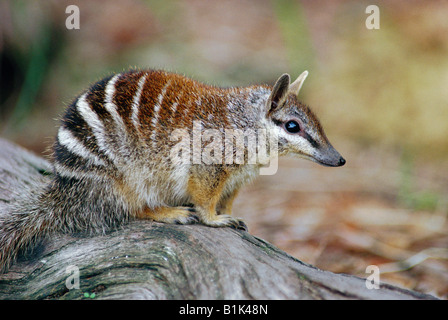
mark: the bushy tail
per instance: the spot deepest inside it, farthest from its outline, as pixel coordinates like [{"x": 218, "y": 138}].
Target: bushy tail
[
  {"x": 20, "y": 228},
  {"x": 62, "y": 205}
]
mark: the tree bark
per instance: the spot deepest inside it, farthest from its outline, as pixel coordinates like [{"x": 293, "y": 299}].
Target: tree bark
[{"x": 148, "y": 260}]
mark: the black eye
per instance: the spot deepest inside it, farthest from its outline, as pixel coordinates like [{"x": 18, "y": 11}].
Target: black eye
[{"x": 292, "y": 126}]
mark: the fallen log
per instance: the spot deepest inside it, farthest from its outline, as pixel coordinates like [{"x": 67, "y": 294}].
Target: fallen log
[{"x": 148, "y": 260}]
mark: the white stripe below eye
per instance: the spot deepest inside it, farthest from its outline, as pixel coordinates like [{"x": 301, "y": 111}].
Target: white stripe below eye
[
  {"x": 69, "y": 141},
  {"x": 136, "y": 102},
  {"x": 91, "y": 118}
]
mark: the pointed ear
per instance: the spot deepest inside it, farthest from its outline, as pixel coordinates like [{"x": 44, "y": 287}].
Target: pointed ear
[
  {"x": 279, "y": 93},
  {"x": 294, "y": 88}
]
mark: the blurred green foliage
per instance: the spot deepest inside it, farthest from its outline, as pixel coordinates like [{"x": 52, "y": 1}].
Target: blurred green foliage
[
  {"x": 296, "y": 36},
  {"x": 416, "y": 200},
  {"x": 36, "y": 67},
  {"x": 388, "y": 86}
]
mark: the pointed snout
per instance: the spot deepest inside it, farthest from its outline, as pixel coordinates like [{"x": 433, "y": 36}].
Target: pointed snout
[
  {"x": 341, "y": 162},
  {"x": 329, "y": 157},
  {"x": 337, "y": 163}
]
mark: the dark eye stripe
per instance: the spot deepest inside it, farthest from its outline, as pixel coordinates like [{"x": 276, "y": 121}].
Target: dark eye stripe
[
  {"x": 277, "y": 122},
  {"x": 311, "y": 140},
  {"x": 302, "y": 133}
]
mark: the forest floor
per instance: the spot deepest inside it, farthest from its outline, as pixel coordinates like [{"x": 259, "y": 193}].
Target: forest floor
[{"x": 370, "y": 212}]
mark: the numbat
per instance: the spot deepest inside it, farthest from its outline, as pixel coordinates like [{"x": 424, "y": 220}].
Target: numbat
[{"x": 113, "y": 156}]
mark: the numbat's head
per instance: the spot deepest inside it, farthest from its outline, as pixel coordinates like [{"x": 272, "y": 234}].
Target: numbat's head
[{"x": 299, "y": 130}]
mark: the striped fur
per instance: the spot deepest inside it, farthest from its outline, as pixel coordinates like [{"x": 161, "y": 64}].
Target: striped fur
[{"x": 112, "y": 155}]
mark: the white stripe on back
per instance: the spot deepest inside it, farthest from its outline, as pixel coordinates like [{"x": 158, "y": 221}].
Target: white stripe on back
[
  {"x": 173, "y": 111},
  {"x": 70, "y": 172},
  {"x": 158, "y": 105},
  {"x": 68, "y": 140},
  {"x": 136, "y": 102},
  {"x": 91, "y": 118},
  {"x": 110, "y": 105}
]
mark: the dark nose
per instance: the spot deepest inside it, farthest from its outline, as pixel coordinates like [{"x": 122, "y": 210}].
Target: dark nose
[{"x": 341, "y": 162}]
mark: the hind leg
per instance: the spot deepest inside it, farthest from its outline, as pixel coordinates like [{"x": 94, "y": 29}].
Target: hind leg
[{"x": 178, "y": 215}]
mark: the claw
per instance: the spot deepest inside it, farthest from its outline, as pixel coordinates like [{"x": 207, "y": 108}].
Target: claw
[
  {"x": 238, "y": 224},
  {"x": 225, "y": 220},
  {"x": 242, "y": 225},
  {"x": 189, "y": 218}
]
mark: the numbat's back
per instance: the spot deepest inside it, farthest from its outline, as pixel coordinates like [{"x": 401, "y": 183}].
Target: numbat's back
[{"x": 156, "y": 145}]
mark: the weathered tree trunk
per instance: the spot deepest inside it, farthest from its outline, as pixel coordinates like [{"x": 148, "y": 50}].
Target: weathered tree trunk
[{"x": 147, "y": 260}]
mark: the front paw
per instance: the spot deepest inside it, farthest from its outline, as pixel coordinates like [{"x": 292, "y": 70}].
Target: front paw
[
  {"x": 185, "y": 215},
  {"x": 224, "y": 220}
]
